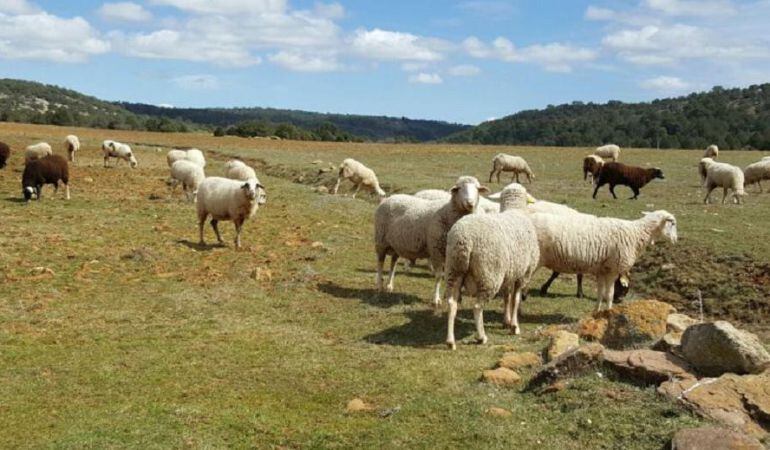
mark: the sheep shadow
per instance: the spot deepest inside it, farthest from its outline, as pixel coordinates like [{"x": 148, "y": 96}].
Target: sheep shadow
[
  {"x": 550, "y": 319},
  {"x": 370, "y": 296},
  {"x": 15, "y": 200},
  {"x": 411, "y": 274},
  {"x": 200, "y": 247}
]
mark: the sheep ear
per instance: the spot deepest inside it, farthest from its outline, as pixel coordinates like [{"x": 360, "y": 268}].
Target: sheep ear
[
  {"x": 454, "y": 188},
  {"x": 483, "y": 189},
  {"x": 245, "y": 186}
]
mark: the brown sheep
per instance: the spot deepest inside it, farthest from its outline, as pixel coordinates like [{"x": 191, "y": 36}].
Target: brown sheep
[
  {"x": 5, "y": 152},
  {"x": 614, "y": 173},
  {"x": 47, "y": 170},
  {"x": 591, "y": 166}
]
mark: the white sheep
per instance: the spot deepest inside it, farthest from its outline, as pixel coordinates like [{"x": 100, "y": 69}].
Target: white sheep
[
  {"x": 603, "y": 247},
  {"x": 491, "y": 253},
  {"x": 702, "y": 166},
  {"x": 188, "y": 173},
  {"x": 225, "y": 199},
  {"x": 592, "y": 164},
  {"x": 509, "y": 163},
  {"x": 37, "y": 151},
  {"x": 757, "y": 172},
  {"x": 117, "y": 150},
  {"x": 609, "y": 151},
  {"x": 726, "y": 176},
  {"x": 359, "y": 175},
  {"x": 238, "y": 170},
  {"x": 71, "y": 145},
  {"x": 189, "y": 154},
  {"x": 485, "y": 205},
  {"x": 712, "y": 151}
]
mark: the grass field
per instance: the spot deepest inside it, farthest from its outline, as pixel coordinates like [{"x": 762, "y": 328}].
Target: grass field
[{"x": 117, "y": 330}]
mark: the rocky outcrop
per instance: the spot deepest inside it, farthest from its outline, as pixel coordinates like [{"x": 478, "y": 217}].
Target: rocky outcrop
[
  {"x": 718, "y": 347},
  {"x": 647, "y": 367},
  {"x": 713, "y": 438},
  {"x": 631, "y": 325}
]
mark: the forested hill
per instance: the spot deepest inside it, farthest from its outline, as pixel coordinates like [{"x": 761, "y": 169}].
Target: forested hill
[
  {"x": 375, "y": 128},
  {"x": 730, "y": 118}
]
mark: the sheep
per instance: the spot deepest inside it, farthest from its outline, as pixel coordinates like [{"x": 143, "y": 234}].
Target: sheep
[
  {"x": 37, "y": 151},
  {"x": 113, "y": 149},
  {"x": 238, "y": 170},
  {"x": 491, "y": 253},
  {"x": 5, "y": 153},
  {"x": 225, "y": 199},
  {"x": 712, "y": 151},
  {"x": 609, "y": 151},
  {"x": 726, "y": 176},
  {"x": 616, "y": 173},
  {"x": 47, "y": 170},
  {"x": 602, "y": 247},
  {"x": 757, "y": 172},
  {"x": 360, "y": 175},
  {"x": 190, "y": 174},
  {"x": 190, "y": 154},
  {"x": 413, "y": 228},
  {"x": 509, "y": 163},
  {"x": 71, "y": 145},
  {"x": 592, "y": 164},
  {"x": 702, "y": 165},
  {"x": 485, "y": 205}
]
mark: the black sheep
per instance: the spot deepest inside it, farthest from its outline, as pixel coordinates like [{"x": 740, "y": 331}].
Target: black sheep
[
  {"x": 614, "y": 173},
  {"x": 48, "y": 170},
  {"x": 5, "y": 152}
]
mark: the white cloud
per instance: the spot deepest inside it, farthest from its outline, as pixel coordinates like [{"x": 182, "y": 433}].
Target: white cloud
[
  {"x": 124, "y": 11},
  {"x": 333, "y": 11},
  {"x": 692, "y": 8},
  {"x": 665, "y": 84},
  {"x": 394, "y": 46},
  {"x": 17, "y": 7},
  {"x": 227, "y": 7},
  {"x": 426, "y": 78},
  {"x": 597, "y": 13},
  {"x": 464, "y": 70},
  {"x": 554, "y": 57},
  {"x": 44, "y": 36},
  {"x": 299, "y": 62},
  {"x": 197, "y": 82}
]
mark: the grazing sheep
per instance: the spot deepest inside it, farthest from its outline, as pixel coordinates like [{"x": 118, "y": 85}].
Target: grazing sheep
[
  {"x": 485, "y": 205},
  {"x": 620, "y": 174},
  {"x": 602, "y": 247},
  {"x": 757, "y": 172},
  {"x": 114, "y": 149},
  {"x": 238, "y": 170},
  {"x": 5, "y": 153},
  {"x": 188, "y": 173},
  {"x": 491, "y": 253},
  {"x": 609, "y": 151},
  {"x": 359, "y": 175},
  {"x": 702, "y": 165},
  {"x": 726, "y": 176},
  {"x": 509, "y": 163},
  {"x": 47, "y": 170},
  {"x": 37, "y": 151},
  {"x": 71, "y": 145},
  {"x": 712, "y": 151},
  {"x": 225, "y": 199},
  {"x": 189, "y": 154},
  {"x": 592, "y": 164}
]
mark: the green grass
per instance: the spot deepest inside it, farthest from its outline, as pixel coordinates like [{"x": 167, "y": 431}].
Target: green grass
[{"x": 141, "y": 339}]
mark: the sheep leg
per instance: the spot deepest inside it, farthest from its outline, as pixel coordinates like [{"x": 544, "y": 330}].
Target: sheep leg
[
  {"x": 636, "y": 193},
  {"x": 337, "y": 186},
  {"x": 392, "y": 274},
  {"x": 453, "y": 290},
  {"x": 610, "y": 290},
  {"x": 380, "y": 263},
  {"x": 599, "y": 292},
  {"x": 238, "y": 228},
  {"x": 491, "y": 173},
  {"x": 358, "y": 187},
  {"x": 67, "y": 191},
  {"x": 709, "y": 189},
  {"x": 498, "y": 176},
  {"x": 547, "y": 285},
  {"x": 105, "y": 161},
  {"x": 439, "y": 274},
  {"x": 612, "y": 191},
  {"x": 580, "y": 285},
  {"x": 215, "y": 226},
  {"x": 507, "y": 310},
  {"x": 760, "y": 186},
  {"x": 516, "y": 176},
  {"x": 201, "y": 222},
  {"x": 478, "y": 317},
  {"x": 515, "y": 329},
  {"x": 596, "y": 188},
  {"x": 39, "y": 191},
  {"x": 724, "y": 195}
]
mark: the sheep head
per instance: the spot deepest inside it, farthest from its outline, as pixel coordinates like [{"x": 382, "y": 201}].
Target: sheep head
[
  {"x": 666, "y": 225},
  {"x": 514, "y": 196},
  {"x": 465, "y": 193}
]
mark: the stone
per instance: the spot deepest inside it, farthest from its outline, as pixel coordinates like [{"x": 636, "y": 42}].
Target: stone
[
  {"x": 501, "y": 377},
  {"x": 718, "y": 347},
  {"x": 357, "y": 405},
  {"x": 679, "y": 322},
  {"x": 562, "y": 342},
  {"x": 576, "y": 362},
  {"x": 498, "y": 412},
  {"x": 647, "y": 366},
  {"x": 713, "y": 438},
  {"x": 674, "y": 389},
  {"x": 670, "y": 342},
  {"x": 630, "y": 325},
  {"x": 322, "y": 190},
  {"x": 88, "y": 179},
  {"x": 515, "y": 360}
]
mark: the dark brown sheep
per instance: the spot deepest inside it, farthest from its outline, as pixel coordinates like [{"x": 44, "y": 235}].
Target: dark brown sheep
[
  {"x": 591, "y": 165},
  {"x": 48, "y": 170},
  {"x": 621, "y": 286},
  {"x": 5, "y": 152},
  {"x": 614, "y": 173}
]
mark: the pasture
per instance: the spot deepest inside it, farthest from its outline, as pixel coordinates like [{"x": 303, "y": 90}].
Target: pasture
[{"x": 118, "y": 330}]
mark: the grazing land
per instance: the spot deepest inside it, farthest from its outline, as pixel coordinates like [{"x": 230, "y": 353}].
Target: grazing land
[{"x": 118, "y": 330}]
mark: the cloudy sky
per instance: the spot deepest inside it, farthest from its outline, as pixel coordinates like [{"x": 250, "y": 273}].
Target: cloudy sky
[{"x": 458, "y": 60}]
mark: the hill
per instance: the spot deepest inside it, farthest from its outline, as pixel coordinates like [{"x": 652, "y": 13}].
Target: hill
[
  {"x": 730, "y": 118},
  {"x": 374, "y": 128}
]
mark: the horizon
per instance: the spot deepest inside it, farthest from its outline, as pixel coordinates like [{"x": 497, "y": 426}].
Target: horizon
[{"x": 462, "y": 62}]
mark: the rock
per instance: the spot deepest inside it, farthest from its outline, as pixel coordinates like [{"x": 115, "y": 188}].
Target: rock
[
  {"x": 514, "y": 360},
  {"x": 679, "y": 322},
  {"x": 317, "y": 244},
  {"x": 713, "y": 438},
  {"x": 498, "y": 412},
  {"x": 629, "y": 325},
  {"x": 357, "y": 405},
  {"x": 673, "y": 389},
  {"x": 562, "y": 342},
  {"x": 576, "y": 362},
  {"x": 88, "y": 179},
  {"x": 501, "y": 377},
  {"x": 322, "y": 190},
  {"x": 647, "y": 366},
  {"x": 718, "y": 347},
  {"x": 670, "y": 342},
  {"x": 551, "y": 330}
]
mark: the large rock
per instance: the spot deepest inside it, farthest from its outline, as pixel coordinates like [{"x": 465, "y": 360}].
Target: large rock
[
  {"x": 670, "y": 342},
  {"x": 713, "y": 438},
  {"x": 717, "y": 348},
  {"x": 501, "y": 377},
  {"x": 629, "y": 325},
  {"x": 516, "y": 360},
  {"x": 574, "y": 363},
  {"x": 562, "y": 342},
  {"x": 677, "y": 323},
  {"x": 647, "y": 366}
]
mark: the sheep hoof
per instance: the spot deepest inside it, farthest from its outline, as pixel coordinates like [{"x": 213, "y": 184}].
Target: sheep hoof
[
  {"x": 451, "y": 345},
  {"x": 481, "y": 340},
  {"x": 516, "y": 330},
  {"x": 389, "y": 289}
]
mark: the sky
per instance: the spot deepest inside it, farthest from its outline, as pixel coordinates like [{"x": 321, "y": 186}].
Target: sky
[{"x": 463, "y": 61}]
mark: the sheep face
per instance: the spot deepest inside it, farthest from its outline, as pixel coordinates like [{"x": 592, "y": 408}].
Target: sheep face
[
  {"x": 667, "y": 226},
  {"x": 657, "y": 173},
  {"x": 465, "y": 194},
  {"x": 28, "y": 192},
  {"x": 261, "y": 194},
  {"x": 254, "y": 191},
  {"x": 132, "y": 160}
]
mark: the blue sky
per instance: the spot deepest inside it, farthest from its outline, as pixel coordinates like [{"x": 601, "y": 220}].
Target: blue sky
[{"x": 457, "y": 60}]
